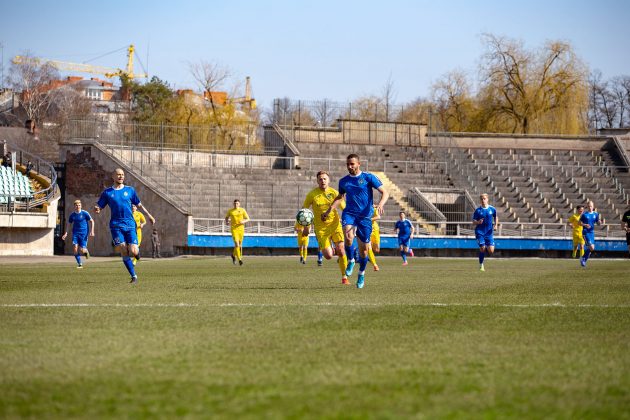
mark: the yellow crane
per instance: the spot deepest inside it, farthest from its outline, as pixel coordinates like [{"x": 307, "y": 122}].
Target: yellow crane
[{"x": 85, "y": 68}]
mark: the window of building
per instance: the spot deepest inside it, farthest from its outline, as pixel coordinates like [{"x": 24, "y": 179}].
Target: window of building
[{"x": 94, "y": 94}]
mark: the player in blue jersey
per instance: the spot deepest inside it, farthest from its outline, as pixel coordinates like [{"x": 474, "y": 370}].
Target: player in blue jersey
[
  {"x": 589, "y": 219},
  {"x": 485, "y": 220},
  {"x": 122, "y": 225},
  {"x": 405, "y": 231},
  {"x": 82, "y": 226},
  {"x": 356, "y": 218}
]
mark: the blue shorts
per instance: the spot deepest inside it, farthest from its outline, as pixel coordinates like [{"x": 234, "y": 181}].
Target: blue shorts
[
  {"x": 589, "y": 238},
  {"x": 363, "y": 225},
  {"x": 404, "y": 241},
  {"x": 80, "y": 239},
  {"x": 485, "y": 240},
  {"x": 124, "y": 236}
]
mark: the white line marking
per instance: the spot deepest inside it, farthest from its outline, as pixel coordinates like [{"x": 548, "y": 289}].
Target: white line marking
[{"x": 263, "y": 305}]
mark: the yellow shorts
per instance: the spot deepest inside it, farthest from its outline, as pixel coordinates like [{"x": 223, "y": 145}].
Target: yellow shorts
[
  {"x": 302, "y": 240},
  {"x": 327, "y": 233},
  {"x": 376, "y": 237},
  {"x": 578, "y": 240},
  {"x": 238, "y": 234}
]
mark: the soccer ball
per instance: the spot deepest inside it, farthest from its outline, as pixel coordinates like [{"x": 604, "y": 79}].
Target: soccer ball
[{"x": 304, "y": 217}]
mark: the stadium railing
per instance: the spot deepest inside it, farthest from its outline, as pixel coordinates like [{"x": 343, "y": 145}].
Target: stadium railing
[{"x": 216, "y": 226}]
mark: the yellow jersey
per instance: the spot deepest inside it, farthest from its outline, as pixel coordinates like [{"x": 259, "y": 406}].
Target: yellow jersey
[
  {"x": 575, "y": 222},
  {"x": 236, "y": 216},
  {"x": 321, "y": 200},
  {"x": 139, "y": 218}
]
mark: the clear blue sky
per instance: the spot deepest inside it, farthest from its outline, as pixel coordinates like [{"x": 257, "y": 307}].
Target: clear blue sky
[{"x": 313, "y": 50}]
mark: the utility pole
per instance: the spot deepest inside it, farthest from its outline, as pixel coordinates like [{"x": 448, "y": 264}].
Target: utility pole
[{"x": 2, "y": 67}]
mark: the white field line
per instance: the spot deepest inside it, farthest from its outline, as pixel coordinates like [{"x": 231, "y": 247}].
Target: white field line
[{"x": 332, "y": 304}]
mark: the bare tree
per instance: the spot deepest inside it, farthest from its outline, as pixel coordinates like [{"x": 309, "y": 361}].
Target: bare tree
[
  {"x": 389, "y": 96},
  {"x": 34, "y": 81}
]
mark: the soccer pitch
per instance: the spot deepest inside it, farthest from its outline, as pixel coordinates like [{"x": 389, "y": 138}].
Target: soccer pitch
[{"x": 200, "y": 337}]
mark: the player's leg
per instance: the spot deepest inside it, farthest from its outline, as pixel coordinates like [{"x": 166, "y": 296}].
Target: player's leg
[
  {"x": 349, "y": 233},
  {"x": 402, "y": 250},
  {"x": 75, "y": 252},
  {"x": 335, "y": 236},
  {"x": 363, "y": 232},
  {"x": 130, "y": 251},
  {"x": 589, "y": 242},
  {"x": 374, "y": 240}
]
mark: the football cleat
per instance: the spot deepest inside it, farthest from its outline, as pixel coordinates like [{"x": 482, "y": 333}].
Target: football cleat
[
  {"x": 350, "y": 268},
  {"x": 583, "y": 262},
  {"x": 405, "y": 263},
  {"x": 240, "y": 262},
  {"x": 233, "y": 259},
  {"x": 411, "y": 252},
  {"x": 80, "y": 266},
  {"x": 87, "y": 254},
  {"x": 481, "y": 268},
  {"x": 344, "y": 280},
  {"x": 134, "y": 280},
  {"x": 360, "y": 281},
  {"x": 320, "y": 263}
]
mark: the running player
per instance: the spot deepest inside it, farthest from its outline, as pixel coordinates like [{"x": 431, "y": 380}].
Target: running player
[
  {"x": 327, "y": 227},
  {"x": 578, "y": 239},
  {"x": 120, "y": 197},
  {"x": 589, "y": 219},
  {"x": 237, "y": 217},
  {"x": 405, "y": 235},
  {"x": 302, "y": 242},
  {"x": 485, "y": 220},
  {"x": 140, "y": 222},
  {"x": 80, "y": 219},
  {"x": 357, "y": 188},
  {"x": 375, "y": 239}
]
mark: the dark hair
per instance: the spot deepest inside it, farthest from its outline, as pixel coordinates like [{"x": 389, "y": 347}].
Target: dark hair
[
  {"x": 579, "y": 207},
  {"x": 236, "y": 200},
  {"x": 353, "y": 156}
]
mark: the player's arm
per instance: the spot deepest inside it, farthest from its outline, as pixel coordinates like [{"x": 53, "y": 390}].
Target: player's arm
[
  {"x": 246, "y": 218},
  {"x": 333, "y": 205},
  {"x": 413, "y": 229},
  {"x": 91, "y": 227},
  {"x": 144, "y": 209},
  {"x": 65, "y": 234},
  {"x": 496, "y": 220},
  {"x": 380, "y": 207}
]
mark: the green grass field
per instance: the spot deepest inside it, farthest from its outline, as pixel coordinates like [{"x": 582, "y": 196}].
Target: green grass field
[{"x": 199, "y": 337}]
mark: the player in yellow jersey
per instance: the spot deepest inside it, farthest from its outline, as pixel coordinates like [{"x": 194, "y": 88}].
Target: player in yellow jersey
[
  {"x": 578, "y": 239},
  {"x": 327, "y": 229},
  {"x": 302, "y": 242},
  {"x": 140, "y": 222},
  {"x": 375, "y": 240},
  {"x": 237, "y": 217}
]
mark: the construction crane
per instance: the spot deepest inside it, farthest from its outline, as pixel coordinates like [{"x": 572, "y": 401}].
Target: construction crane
[
  {"x": 85, "y": 68},
  {"x": 247, "y": 99}
]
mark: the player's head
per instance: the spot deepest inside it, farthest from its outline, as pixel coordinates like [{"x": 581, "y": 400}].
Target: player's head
[
  {"x": 134, "y": 207},
  {"x": 402, "y": 215},
  {"x": 484, "y": 199},
  {"x": 118, "y": 176},
  {"x": 353, "y": 164},
  {"x": 237, "y": 203},
  {"x": 77, "y": 205},
  {"x": 590, "y": 205},
  {"x": 323, "y": 179},
  {"x": 579, "y": 209}
]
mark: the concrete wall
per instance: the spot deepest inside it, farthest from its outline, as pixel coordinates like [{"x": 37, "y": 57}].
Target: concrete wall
[
  {"x": 88, "y": 173},
  {"x": 28, "y": 233}
]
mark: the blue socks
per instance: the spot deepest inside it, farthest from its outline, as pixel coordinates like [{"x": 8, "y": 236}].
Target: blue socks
[
  {"x": 350, "y": 252},
  {"x": 403, "y": 254},
  {"x": 482, "y": 255},
  {"x": 320, "y": 256},
  {"x": 78, "y": 258},
  {"x": 587, "y": 253},
  {"x": 129, "y": 265},
  {"x": 362, "y": 264}
]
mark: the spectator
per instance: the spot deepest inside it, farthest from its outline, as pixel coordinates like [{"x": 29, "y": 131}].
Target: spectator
[
  {"x": 7, "y": 160},
  {"x": 155, "y": 241},
  {"x": 29, "y": 167}
]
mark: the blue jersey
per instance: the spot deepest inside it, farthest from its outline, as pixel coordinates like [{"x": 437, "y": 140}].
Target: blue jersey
[
  {"x": 488, "y": 215},
  {"x": 404, "y": 228},
  {"x": 120, "y": 202},
  {"x": 359, "y": 194},
  {"x": 79, "y": 222},
  {"x": 590, "y": 219}
]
